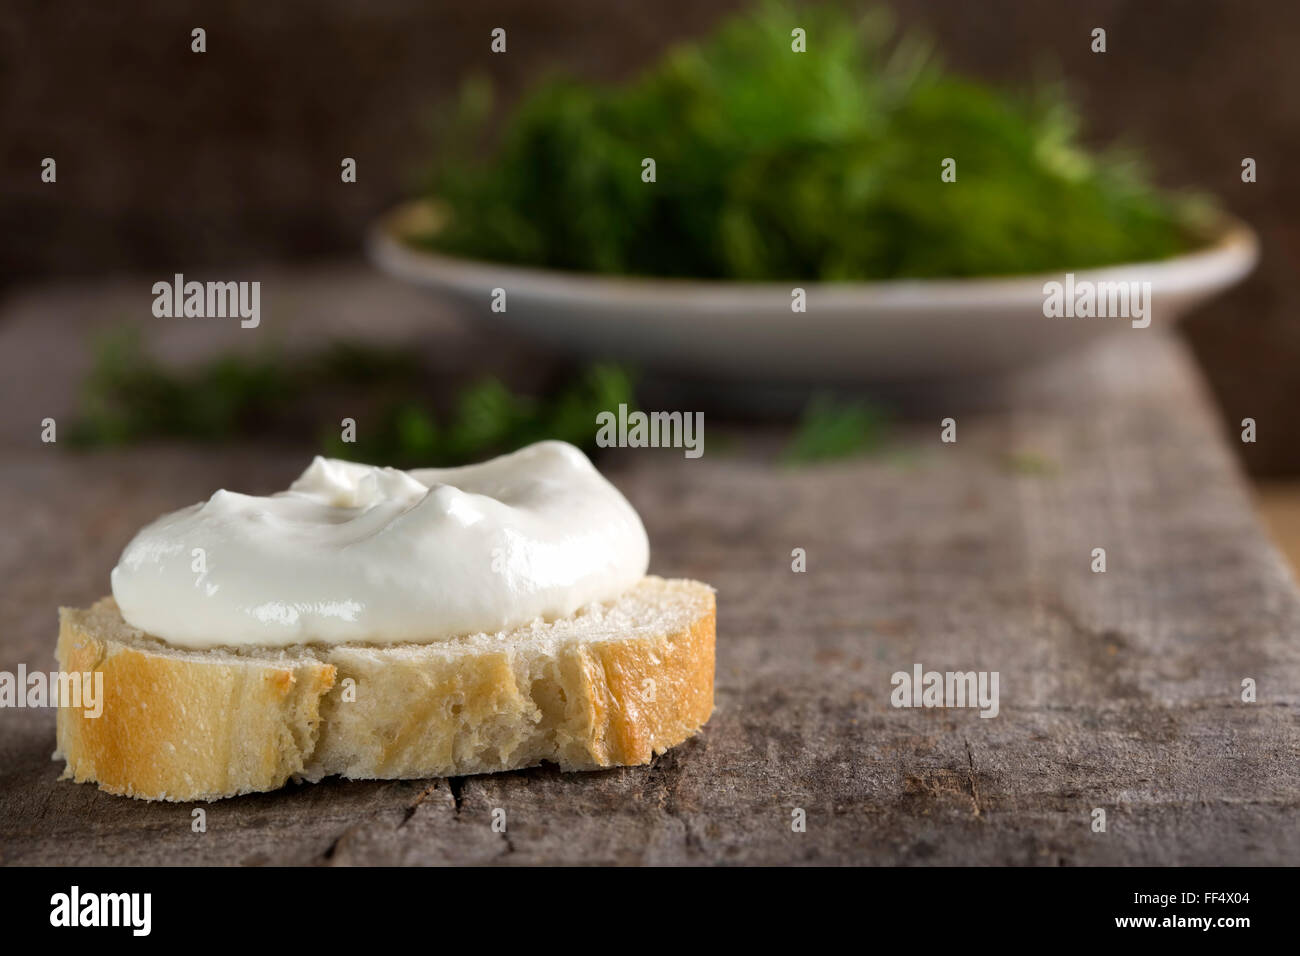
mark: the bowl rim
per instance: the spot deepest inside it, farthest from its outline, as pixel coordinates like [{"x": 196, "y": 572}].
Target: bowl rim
[{"x": 1230, "y": 255}]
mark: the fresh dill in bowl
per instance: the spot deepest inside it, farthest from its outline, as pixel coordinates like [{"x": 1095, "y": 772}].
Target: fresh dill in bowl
[{"x": 772, "y": 164}]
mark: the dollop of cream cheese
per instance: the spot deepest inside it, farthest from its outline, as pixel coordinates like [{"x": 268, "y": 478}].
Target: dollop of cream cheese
[{"x": 355, "y": 553}]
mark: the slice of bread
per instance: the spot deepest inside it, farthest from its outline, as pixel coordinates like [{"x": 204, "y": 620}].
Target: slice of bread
[{"x": 612, "y": 685}]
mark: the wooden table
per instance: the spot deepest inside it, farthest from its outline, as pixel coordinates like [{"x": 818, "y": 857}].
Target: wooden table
[{"x": 1118, "y": 690}]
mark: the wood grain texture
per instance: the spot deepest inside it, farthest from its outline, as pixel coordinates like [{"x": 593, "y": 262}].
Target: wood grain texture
[{"x": 1118, "y": 690}]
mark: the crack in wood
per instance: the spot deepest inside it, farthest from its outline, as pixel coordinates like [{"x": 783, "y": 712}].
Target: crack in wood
[
  {"x": 338, "y": 842},
  {"x": 974, "y": 780}
]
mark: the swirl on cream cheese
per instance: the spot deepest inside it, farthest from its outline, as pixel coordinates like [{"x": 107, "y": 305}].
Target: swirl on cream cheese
[{"x": 354, "y": 553}]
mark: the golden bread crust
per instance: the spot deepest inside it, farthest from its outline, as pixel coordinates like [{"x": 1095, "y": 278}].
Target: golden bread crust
[{"x": 201, "y": 725}]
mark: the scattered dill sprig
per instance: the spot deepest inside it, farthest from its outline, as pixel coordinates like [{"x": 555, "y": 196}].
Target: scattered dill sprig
[
  {"x": 835, "y": 429},
  {"x": 1028, "y": 462},
  {"x": 488, "y": 420},
  {"x": 130, "y": 397}
]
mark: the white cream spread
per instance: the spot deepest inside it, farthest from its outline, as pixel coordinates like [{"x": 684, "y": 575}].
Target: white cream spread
[{"x": 354, "y": 553}]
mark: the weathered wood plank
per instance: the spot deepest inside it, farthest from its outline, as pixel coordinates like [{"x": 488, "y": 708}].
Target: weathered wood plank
[{"x": 1118, "y": 690}]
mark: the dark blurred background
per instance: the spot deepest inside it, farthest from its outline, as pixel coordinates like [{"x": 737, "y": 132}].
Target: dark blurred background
[{"x": 167, "y": 160}]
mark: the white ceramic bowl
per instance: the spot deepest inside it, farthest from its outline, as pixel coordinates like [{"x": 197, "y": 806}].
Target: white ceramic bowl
[{"x": 852, "y": 332}]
